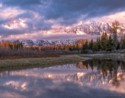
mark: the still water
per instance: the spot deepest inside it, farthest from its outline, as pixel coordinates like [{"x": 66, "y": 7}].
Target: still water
[{"x": 87, "y": 79}]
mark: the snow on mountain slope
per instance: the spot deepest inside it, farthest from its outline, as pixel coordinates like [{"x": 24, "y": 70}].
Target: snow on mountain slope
[{"x": 49, "y": 42}]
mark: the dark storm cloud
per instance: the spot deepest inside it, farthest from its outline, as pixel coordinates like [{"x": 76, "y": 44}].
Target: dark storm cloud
[
  {"x": 66, "y": 8},
  {"x": 69, "y": 10},
  {"x": 72, "y": 10}
]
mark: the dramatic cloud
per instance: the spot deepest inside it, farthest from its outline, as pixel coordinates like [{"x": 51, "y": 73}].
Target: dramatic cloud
[{"x": 32, "y": 16}]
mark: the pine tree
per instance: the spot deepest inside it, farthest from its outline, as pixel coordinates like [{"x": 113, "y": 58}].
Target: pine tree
[
  {"x": 85, "y": 47},
  {"x": 104, "y": 41},
  {"x": 91, "y": 45},
  {"x": 98, "y": 42},
  {"x": 95, "y": 47},
  {"x": 122, "y": 42},
  {"x": 110, "y": 44}
]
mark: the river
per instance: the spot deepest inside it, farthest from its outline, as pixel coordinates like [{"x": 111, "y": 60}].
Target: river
[{"x": 87, "y": 79}]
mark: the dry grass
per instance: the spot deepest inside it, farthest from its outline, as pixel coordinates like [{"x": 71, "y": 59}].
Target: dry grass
[
  {"x": 6, "y": 53},
  {"x": 22, "y": 63}
]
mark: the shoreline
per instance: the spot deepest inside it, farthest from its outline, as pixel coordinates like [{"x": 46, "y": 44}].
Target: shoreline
[
  {"x": 40, "y": 62},
  {"x": 25, "y": 63},
  {"x": 106, "y": 56}
]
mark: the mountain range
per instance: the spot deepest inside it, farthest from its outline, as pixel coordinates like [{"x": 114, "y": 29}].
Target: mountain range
[{"x": 50, "y": 42}]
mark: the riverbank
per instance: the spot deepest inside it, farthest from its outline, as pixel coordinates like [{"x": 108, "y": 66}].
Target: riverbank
[
  {"x": 106, "y": 56},
  {"x": 24, "y": 63}
]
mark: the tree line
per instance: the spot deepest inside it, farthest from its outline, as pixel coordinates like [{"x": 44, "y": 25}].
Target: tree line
[
  {"x": 11, "y": 45},
  {"x": 104, "y": 43},
  {"x": 17, "y": 45}
]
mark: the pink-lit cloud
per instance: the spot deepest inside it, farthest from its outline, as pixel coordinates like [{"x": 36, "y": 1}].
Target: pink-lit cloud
[{"x": 37, "y": 19}]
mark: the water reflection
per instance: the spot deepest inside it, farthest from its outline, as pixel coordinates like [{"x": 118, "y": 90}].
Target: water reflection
[
  {"x": 88, "y": 79},
  {"x": 110, "y": 71}
]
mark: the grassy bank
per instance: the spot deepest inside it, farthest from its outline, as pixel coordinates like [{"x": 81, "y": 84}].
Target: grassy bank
[
  {"x": 111, "y": 56},
  {"x": 23, "y": 63}
]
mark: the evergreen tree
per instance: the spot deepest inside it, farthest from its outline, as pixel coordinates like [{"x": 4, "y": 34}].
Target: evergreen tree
[
  {"x": 122, "y": 42},
  {"x": 110, "y": 44},
  {"x": 98, "y": 42},
  {"x": 95, "y": 47},
  {"x": 104, "y": 41},
  {"x": 85, "y": 47},
  {"x": 91, "y": 45}
]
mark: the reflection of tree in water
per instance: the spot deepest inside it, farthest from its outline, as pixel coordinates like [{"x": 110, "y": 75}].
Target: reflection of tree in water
[{"x": 109, "y": 69}]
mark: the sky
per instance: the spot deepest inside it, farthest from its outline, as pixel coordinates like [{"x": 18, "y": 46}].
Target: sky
[{"x": 48, "y": 19}]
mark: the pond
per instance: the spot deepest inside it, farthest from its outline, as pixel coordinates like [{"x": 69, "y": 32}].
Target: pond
[{"x": 86, "y": 79}]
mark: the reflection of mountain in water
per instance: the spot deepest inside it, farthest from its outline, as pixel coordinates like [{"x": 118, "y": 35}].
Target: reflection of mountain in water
[
  {"x": 106, "y": 70},
  {"x": 88, "y": 79}
]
